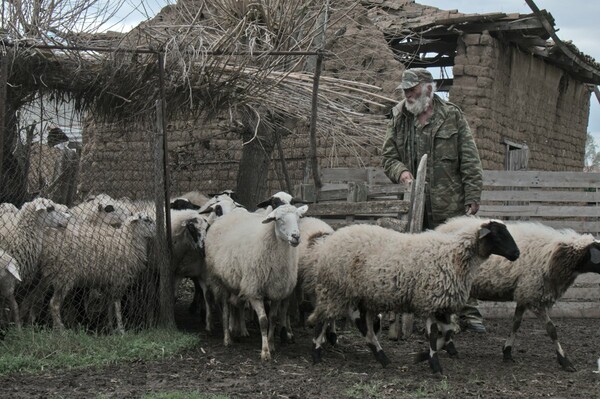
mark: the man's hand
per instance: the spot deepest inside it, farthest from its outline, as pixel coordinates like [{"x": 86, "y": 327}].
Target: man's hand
[
  {"x": 406, "y": 177},
  {"x": 472, "y": 208}
]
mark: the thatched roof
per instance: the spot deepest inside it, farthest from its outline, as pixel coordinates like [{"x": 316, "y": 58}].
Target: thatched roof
[{"x": 218, "y": 55}]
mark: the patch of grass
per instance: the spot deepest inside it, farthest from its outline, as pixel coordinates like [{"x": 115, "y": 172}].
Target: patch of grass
[
  {"x": 432, "y": 389},
  {"x": 369, "y": 390},
  {"x": 182, "y": 395},
  {"x": 32, "y": 350}
]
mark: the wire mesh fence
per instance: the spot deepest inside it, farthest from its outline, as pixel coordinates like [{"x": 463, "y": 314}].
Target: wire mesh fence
[{"x": 85, "y": 242}]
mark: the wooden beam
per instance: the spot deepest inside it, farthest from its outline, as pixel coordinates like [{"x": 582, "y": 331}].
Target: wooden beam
[
  {"x": 566, "y": 50},
  {"x": 424, "y": 46},
  {"x": 597, "y": 93}
]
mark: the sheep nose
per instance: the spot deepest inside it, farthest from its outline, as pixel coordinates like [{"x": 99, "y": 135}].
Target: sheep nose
[{"x": 295, "y": 240}]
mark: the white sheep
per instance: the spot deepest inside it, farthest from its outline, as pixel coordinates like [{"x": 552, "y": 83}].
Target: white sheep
[
  {"x": 8, "y": 208},
  {"x": 110, "y": 262},
  {"x": 256, "y": 259},
  {"x": 549, "y": 263},
  {"x": 99, "y": 210},
  {"x": 23, "y": 238},
  {"x": 374, "y": 269},
  {"x": 9, "y": 277},
  {"x": 313, "y": 232}
]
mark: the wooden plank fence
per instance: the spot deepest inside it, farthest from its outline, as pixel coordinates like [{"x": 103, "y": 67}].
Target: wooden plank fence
[{"x": 558, "y": 199}]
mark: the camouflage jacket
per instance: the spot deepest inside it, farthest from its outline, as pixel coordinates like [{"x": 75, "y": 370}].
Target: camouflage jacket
[{"x": 454, "y": 173}]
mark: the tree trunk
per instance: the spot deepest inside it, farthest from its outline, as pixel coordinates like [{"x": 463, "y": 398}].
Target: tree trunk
[
  {"x": 13, "y": 182},
  {"x": 254, "y": 166}
]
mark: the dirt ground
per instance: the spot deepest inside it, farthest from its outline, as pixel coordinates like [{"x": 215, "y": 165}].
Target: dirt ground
[{"x": 347, "y": 371}]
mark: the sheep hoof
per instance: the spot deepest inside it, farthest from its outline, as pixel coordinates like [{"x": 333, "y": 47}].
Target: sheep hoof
[
  {"x": 451, "y": 349},
  {"x": 331, "y": 338},
  {"x": 316, "y": 354},
  {"x": 507, "y": 354},
  {"x": 265, "y": 356},
  {"x": 438, "y": 375},
  {"x": 566, "y": 364},
  {"x": 434, "y": 363},
  {"x": 382, "y": 358}
]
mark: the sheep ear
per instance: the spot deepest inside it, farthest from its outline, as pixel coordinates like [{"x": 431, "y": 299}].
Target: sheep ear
[
  {"x": 302, "y": 210},
  {"x": 270, "y": 218},
  {"x": 484, "y": 231},
  {"x": 14, "y": 270},
  {"x": 39, "y": 207},
  {"x": 210, "y": 209},
  {"x": 595, "y": 255},
  {"x": 265, "y": 203}
]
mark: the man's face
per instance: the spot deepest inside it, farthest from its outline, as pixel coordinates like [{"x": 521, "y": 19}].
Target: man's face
[
  {"x": 413, "y": 93},
  {"x": 418, "y": 98}
]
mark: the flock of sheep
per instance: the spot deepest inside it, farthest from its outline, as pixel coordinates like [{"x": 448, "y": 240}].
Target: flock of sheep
[{"x": 275, "y": 257}]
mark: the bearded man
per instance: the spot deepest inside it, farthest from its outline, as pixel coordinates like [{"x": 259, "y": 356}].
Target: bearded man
[{"x": 421, "y": 124}]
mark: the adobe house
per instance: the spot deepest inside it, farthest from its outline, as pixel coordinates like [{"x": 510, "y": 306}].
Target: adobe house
[{"x": 526, "y": 99}]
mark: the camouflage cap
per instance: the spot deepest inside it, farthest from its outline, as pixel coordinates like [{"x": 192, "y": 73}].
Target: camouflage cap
[{"x": 414, "y": 76}]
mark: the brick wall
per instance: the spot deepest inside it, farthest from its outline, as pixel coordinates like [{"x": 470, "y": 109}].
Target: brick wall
[{"x": 508, "y": 94}]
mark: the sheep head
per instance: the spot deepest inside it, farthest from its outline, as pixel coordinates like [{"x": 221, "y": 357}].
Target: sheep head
[
  {"x": 494, "y": 238},
  {"x": 51, "y": 214},
  {"x": 286, "y": 222},
  {"x": 590, "y": 262}
]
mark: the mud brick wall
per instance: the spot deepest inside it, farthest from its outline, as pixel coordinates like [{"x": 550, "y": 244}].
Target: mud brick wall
[{"x": 508, "y": 94}]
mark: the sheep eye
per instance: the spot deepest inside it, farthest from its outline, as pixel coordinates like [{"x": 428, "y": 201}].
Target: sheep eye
[
  {"x": 50, "y": 209},
  {"x": 109, "y": 208}
]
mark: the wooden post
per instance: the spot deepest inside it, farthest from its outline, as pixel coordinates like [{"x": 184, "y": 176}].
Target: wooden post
[
  {"x": 3, "y": 80},
  {"x": 417, "y": 208},
  {"x": 314, "y": 161},
  {"x": 286, "y": 175},
  {"x": 163, "y": 222}
]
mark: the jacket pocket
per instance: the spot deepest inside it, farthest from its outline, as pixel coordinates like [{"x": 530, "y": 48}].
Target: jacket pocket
[{"x": 446, "y": 146}]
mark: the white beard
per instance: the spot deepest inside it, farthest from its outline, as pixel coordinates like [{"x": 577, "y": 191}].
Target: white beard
[{"x": 419, "y": 105}]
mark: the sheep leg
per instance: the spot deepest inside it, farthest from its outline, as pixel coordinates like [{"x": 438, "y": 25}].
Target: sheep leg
[
  {"x": 119, "y": 316},
  {"x": 319, "y": 340},
  {"x": 259, "y": 308},
  {"x": 238, "y": 320},
  {"x": 372, "y": 340},
  {"x": 564, "y": 362},
  {"x": 273, "y": 312},
  {"x": 436, "y": 342},
  {"x": 517, "y": 318},
  {"x": 225, "y": 316},
  {"x": 207, "y": 303},
  {"x": 444, "y": 321},
  {"x": 286, "y": 335},
  {"x": 394, "y": 330},
  {"x": 195, "y": 305},
  {"x": 55, "y": 305},
  {"x": 331, "y": 333},
  {"x": 14, "y": 307}
]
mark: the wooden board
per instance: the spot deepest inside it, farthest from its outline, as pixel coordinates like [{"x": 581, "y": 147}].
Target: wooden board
[
  {"x": 391, "y": 207},
  {"x": 499, "y": 178}
]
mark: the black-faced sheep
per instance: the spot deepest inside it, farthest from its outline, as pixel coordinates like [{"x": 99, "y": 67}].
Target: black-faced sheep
[
  {"x": 374, "y": 269},
  {"x": 549, "y": 263}
]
